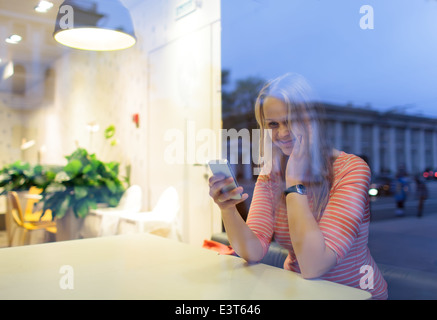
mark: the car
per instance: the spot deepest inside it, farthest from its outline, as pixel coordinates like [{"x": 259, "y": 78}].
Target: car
[
  {"x": 382, "y": 186},
  {"x": 430, "y": 174}
]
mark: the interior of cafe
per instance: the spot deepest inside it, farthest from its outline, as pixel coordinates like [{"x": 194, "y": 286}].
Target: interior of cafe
[{"x": 121, "y": 104}]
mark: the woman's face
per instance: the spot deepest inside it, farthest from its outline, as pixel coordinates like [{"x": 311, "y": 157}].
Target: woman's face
[{"x": 275, "y": 117}]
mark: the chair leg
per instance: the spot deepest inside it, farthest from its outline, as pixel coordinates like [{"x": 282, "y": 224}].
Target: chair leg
[
  {"x": 23, "y": 240},
  {"x": 11, "y": 237}
]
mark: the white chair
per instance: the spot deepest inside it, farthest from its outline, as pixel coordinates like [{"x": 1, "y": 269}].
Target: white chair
[
  {"x": 103, "y": 222},
  {"x": 162, "y": 220}
]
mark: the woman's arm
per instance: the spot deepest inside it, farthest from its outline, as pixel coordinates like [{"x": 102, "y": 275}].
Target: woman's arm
[
  {"x": 245, "y": 243},
  {"x": 243, "y": 240},
  {"x": 313, "y": 256}
]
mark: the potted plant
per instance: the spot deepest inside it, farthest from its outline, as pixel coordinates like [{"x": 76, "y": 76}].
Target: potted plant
[
  {"x": 21, "y": 176},
  {"x": 80, "y": 186}
]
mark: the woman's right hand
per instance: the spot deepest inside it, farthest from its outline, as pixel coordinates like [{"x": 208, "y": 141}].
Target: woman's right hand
[{"x": 223, "y": 199}]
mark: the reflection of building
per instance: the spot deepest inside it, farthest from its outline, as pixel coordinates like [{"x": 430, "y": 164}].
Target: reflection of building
[{"x": 389, "y": 140}]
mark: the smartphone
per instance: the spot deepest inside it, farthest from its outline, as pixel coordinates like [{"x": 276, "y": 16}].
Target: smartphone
[{"x": 223, "y": 167}]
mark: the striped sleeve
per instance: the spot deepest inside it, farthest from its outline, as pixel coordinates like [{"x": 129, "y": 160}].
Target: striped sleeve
[
  {"x": 345, "y": 211},
  {"x": 260, "y": 217}
]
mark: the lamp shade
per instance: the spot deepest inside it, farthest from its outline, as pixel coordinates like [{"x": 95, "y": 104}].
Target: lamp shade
[{"x": 97, "y": 25}]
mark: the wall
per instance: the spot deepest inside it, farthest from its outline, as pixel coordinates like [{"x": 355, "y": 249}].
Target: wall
[{"x": 107, "y": 88}]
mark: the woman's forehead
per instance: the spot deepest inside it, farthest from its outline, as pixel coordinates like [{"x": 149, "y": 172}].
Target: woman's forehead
[{"x": 274, "y": 109}]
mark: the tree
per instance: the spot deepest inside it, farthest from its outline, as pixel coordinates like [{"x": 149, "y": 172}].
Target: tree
[{"x": 241, "y": 100}]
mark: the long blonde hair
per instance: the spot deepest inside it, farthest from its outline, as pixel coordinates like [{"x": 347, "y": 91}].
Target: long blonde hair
[{"x": 294, "y": 91}]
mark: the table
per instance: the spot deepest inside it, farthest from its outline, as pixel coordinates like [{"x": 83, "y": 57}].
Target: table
[{"x": 144, "y": 266}]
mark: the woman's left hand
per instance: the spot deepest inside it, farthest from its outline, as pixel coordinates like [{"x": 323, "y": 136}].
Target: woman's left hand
[{"x": 298, "y": 163}]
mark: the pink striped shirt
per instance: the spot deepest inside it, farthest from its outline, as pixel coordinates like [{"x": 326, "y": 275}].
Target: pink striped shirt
[{"x": 344, "y": 224}]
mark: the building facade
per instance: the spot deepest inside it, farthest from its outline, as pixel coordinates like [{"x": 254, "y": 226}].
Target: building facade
[{"x": 389, "y": 141}]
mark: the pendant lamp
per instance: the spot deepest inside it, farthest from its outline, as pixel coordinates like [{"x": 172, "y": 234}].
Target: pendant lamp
[{"x": 97, "y": 25}]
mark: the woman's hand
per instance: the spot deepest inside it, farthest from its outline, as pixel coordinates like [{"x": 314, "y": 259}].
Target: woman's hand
[
  {"x": 298, "y": 163},
  {"x": 223, "y": 199}
]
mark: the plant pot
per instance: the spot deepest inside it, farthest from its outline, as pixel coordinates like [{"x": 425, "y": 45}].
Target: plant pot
[{"x": 68, "y": 227}]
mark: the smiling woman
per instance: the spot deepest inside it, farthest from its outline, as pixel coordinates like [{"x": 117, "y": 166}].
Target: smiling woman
[{"x": 311, "y": 197}]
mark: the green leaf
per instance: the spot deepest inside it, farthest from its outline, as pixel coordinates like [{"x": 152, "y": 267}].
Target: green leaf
[
  {"x": 61, "y": 177},
  {"x": 73, "y": 167},
  {"x": 111, "y": 185},
  {"x": 80, "y": 192},
  {"x": 113, "y": 202},
  {"x": 87, "y": 168},
  {"x": 62, "y": 210},
  {"x": 81, "y": 209}
]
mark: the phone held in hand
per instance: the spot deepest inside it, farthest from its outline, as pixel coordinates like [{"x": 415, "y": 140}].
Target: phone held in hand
[{"x": 223, "y": 167}]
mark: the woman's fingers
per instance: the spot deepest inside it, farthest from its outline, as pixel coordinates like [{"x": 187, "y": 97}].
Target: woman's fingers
[
  {"x": 217, "y": 183},
  {"x": 225, "y": 196}
]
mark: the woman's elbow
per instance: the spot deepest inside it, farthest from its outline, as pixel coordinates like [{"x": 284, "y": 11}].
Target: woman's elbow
[
  {"x": 311, "y": 274},
  {"x": 251, "y": 257}
]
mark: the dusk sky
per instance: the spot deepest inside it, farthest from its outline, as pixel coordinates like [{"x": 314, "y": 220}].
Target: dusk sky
[{"x": 392, "y": 65}]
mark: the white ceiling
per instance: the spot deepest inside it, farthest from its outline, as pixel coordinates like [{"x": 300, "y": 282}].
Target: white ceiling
[
  {"x": 37, "y": 50},
  {"x": 19, "y": 16},
  {"x": 34, "y": 55}
]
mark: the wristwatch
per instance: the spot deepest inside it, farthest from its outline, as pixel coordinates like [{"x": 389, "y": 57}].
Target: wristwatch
[{"x": 299, "y": 188}]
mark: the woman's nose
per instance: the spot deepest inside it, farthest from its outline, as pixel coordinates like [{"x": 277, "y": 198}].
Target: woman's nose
[{"x": 283, "y": 132}]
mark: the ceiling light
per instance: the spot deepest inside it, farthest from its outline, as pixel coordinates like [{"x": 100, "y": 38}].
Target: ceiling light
[
  {"x": 43, "y": 6},
  {"x": 14, "y": 39},
  {"x": 97, "y": 25}
]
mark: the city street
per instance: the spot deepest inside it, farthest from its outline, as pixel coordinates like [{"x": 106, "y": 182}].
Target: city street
[
  {"x": 406, "y": 242},
  {"x": 383, "y": 208}
]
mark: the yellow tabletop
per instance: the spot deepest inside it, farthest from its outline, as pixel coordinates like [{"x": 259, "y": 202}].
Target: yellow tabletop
[{"x": 143, "y": 266}]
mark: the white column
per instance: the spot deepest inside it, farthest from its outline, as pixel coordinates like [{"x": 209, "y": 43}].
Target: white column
[
  {"x": 391, "y": 149},
  {"x": 421, "y": 157},
  {"x": 376, "y": 166},
  {"x": 408, "y": 163},
  {"x": 357, "y": 139},
  {"x": 337, "y": 137},
  {"x": 434, "y": 150}
]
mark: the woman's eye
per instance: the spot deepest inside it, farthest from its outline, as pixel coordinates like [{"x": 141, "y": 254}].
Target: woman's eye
[{"x": 273, "y": 124}]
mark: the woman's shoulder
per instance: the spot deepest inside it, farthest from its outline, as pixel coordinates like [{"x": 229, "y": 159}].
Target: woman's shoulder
[{"x": 346, "y": 162}]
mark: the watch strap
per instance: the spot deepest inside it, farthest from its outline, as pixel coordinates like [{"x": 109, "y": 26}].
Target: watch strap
[{"x": 299, "y": 189}]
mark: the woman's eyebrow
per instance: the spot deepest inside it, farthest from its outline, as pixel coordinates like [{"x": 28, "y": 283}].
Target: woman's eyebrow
[{"x": 274, "y": 119}]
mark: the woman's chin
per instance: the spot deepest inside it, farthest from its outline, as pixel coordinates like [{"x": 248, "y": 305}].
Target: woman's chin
[{"x": 286, "y": 151}]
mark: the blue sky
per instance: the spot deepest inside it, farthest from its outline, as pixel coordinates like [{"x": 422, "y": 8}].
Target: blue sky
[{"x": 393, "y": 65}]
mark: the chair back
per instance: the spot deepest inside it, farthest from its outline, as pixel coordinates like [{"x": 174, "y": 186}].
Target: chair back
[
  {"x": 16, "y": 212},
  {"x": 168, "y": 203},
  {"x": 131, "y": 199},
  {"x": 31, "y": 201}
]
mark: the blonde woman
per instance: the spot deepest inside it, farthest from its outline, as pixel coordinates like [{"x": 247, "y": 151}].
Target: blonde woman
[{"x": 311, "y": 197}]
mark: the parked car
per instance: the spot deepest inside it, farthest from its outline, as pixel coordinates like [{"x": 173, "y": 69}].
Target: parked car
[{"x": 382, "y": 186}]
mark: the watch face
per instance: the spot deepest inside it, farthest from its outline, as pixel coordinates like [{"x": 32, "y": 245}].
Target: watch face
[{"x": 301, "y": 189}]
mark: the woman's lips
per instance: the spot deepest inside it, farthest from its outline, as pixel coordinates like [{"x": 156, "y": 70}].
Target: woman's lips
[{"x": 286, "y": 143}]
